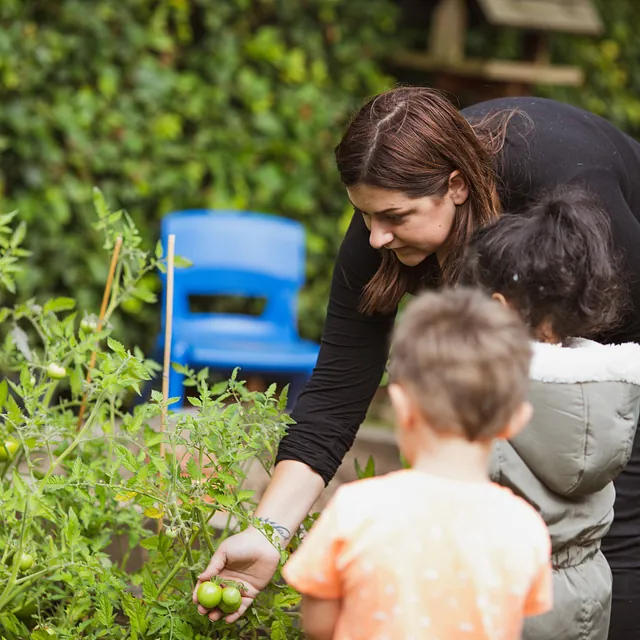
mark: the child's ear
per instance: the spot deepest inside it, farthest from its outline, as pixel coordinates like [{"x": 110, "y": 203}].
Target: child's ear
[
  {"x": 402, "y": 405},
  {"x": 519, "y": 420},
  {"x": 498, "y": 297}
]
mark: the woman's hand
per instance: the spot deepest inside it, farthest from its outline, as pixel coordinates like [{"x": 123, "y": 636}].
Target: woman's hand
[
  {"x": 246, "y": 557},
  {"x": 249, "y": 557}
]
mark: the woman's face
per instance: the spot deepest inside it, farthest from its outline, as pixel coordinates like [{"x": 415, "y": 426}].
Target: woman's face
[{"x": 413, "y": 228}]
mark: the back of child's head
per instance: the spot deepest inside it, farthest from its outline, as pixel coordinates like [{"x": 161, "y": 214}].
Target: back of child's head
[
  {"x": 553, "y": 263},
  {"x": 464, "y": 358}
]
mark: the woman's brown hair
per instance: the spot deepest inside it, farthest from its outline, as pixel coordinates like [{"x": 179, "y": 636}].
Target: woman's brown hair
[{"x": 411, "y": 139}]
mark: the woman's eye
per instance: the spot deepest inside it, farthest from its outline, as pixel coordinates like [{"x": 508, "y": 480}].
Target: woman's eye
[{"x": 396, "y": 219}]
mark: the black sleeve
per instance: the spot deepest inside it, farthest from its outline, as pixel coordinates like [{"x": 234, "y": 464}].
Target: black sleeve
[{"x": 353, "y": 355}]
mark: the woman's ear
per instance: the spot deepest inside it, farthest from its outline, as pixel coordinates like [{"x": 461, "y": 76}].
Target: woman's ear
[{"x": 458, "y": 188}]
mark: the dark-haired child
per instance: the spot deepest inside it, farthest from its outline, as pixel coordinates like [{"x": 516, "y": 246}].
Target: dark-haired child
[{"x": 555, "y": 266}]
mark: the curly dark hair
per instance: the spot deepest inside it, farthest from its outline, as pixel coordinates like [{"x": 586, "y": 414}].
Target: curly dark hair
[{"x": 554, "y": 263}]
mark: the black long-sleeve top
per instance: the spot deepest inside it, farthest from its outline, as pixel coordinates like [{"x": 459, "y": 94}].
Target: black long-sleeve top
[{"x": 557, "y": 144}]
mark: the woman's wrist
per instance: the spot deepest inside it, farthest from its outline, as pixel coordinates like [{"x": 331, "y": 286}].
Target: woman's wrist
[
  {"x": 292, "y": 491},
  {"x": 279, "y": 529}
]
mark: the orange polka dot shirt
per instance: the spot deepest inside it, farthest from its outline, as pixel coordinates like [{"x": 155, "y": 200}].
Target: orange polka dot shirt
[{"x": 414, "y": 556}]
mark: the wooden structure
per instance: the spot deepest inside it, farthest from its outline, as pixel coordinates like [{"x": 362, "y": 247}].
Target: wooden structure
[{"x": 445, "y": 56}]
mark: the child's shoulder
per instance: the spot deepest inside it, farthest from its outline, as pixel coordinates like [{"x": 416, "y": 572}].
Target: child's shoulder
[{"x": 379, "y": 492}]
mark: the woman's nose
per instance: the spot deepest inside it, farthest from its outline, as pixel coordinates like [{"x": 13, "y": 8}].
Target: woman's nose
[{"x": 379, "y": 236}]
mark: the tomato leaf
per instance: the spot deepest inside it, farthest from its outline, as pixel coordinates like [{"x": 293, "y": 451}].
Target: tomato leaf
[{"x": 59, "y": 304}]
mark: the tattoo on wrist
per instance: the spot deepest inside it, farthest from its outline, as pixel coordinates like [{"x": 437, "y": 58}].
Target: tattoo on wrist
[{"x": 281, "y": 530}]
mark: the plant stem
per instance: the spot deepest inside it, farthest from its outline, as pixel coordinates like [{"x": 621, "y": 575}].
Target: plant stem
[
  {"x": 16, "y": 558},
  {"x": 205, "y": 526},
  {"x": 65, "y": 454},
  {"x": 194, "y": 577},
  {"x": 177, "y": 567}
]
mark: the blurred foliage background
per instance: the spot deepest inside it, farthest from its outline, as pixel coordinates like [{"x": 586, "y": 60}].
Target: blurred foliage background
[{"x": 174, "y": 104}]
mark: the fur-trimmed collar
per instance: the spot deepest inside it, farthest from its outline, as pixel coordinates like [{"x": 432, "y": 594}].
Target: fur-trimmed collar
[{"x": 586, "y": 361}]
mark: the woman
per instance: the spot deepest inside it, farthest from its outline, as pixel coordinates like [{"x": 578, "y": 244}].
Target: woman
[{"x": 422, "y": 177}]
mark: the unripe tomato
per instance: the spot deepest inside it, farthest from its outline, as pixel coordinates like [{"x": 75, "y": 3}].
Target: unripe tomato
[
  {"x": 209, "y": 594},
  {"x": 8, "y": 449},
  {"x": 56, "y": 371},
  {"x": 231, "y": 600},
  {"x": 170, "y": 532},
  {"x": 26, "y": 562},
  {"x": 88, "y": 325}
]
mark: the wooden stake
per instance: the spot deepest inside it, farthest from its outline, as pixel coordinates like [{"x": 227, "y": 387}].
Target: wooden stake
[
  {"x": 103, "y": 309},
  {"x": 168, "y": 326}
]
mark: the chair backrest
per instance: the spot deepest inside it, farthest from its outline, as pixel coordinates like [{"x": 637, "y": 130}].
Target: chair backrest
[{"x": 238, "y": 253}]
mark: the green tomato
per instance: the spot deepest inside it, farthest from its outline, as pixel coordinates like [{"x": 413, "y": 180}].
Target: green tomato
[
  {"x": 231, "y": 600},
  {"x": 56, "y": 371},
  {"x": 209, "y": 594},
  {"x": 8, "y": 450},
  {"x": 88, "y": 325},
  {"x": 26, "y": 562},
  {"x": 170, "y": 532}
]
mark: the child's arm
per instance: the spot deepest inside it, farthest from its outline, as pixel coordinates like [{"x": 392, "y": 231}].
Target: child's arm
[
  {"x": 540, "y": 597},
  {"x": 313, "y": 571},
  {"x": 320, "y": 617}
]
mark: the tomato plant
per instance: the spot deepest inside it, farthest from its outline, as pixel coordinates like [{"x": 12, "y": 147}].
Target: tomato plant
[{"x": 120, "y": 515}]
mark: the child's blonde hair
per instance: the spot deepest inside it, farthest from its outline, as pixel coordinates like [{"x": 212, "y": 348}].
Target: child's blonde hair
[{"x": 465, "y": 358}]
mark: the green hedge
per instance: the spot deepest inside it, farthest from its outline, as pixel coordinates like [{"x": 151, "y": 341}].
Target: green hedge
[
  {"x": 170, "y": 104},
  {"x": 612, "y": 66}
]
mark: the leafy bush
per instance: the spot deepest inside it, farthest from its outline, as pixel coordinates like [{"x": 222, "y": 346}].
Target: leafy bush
[
  {"x": 106, "y": 523},
  {"x": 612, "y": 83},
  {"x": 175, "y": 104}
]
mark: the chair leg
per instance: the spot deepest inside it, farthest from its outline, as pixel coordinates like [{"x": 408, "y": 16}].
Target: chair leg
[
  {"x": 176, "y": 379},
  {"x": 176, "y": 387}
]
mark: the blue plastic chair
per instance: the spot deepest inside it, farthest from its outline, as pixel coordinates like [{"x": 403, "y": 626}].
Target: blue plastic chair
[{"x": 240, "y": 254}]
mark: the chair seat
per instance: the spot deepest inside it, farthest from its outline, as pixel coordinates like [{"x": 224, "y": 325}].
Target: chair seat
[{"x": 251, "y": 354}]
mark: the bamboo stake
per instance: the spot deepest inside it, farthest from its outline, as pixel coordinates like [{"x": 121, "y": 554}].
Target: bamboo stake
[
  {"x": 103, "y": 309},
  {"x": 168, "y": 326}
]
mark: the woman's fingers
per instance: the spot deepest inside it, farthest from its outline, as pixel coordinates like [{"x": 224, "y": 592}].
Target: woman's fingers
[{"x": 215, "y": 566}]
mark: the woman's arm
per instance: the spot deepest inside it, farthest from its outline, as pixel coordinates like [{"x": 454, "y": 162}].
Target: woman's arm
[
  {"x": 328, "y": 413},
  {"x": 353, "y": 354},
  {"x": 293, "y": 489}
]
